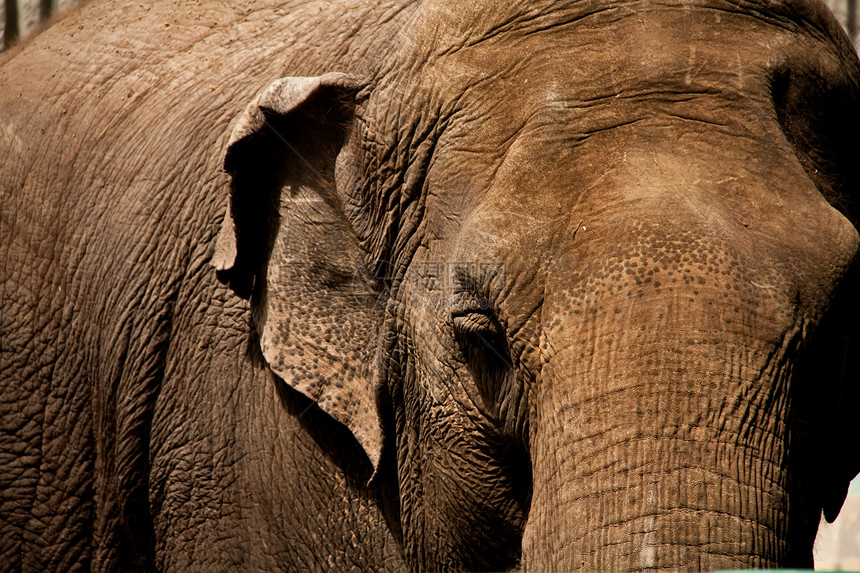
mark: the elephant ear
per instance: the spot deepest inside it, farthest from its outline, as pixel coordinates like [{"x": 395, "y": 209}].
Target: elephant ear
[
  {"x": 844, "y": 463},
  {"x": 287, "y": 244},
  {"x": 841, "y": 459}
]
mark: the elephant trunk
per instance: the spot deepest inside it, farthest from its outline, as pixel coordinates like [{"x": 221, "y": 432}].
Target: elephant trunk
[{"x": 669, "y": 391}]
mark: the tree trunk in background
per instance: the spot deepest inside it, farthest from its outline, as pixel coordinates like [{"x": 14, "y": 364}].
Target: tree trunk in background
[
  {"x": 846, "y": 13},
  {"x": 28, "y": 16},
  {"x": 18, "y": 18},
  {"x": 9, "y": 29},
  {"x": 852, "y": 20}
]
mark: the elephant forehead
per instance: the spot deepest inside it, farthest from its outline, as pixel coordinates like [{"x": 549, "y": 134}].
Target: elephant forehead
[
  {"x": 488, "y": 70},
  {"x": 454, "y": 23},
  {"x": 563, "y": 81},
  {"x": 580, "y": 69},
  {"x": 534, "y": 118},
  {"x": 597, "y": 42}
]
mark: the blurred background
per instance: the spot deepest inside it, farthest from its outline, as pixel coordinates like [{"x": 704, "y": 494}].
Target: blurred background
[
  {"x": 838, "y": 544},
  {"x": 846, "y": 13},
  {"x": 837, "y": 547},
  {"x": 19, "y": 18}
]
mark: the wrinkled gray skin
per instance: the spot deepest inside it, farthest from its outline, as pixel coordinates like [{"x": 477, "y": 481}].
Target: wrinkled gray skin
[{"x": 551, "y": 287}]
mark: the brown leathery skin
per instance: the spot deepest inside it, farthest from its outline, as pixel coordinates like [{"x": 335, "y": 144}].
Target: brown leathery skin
[
  {"x": 132, "y": 451},
  {"x": 541, "y": 286}
]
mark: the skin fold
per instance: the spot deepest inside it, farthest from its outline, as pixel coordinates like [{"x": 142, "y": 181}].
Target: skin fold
[{"x": 429, "y": 286}]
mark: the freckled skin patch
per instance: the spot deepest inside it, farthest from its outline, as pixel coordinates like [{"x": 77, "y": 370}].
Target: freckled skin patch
[{"x": 660, "y": 331}]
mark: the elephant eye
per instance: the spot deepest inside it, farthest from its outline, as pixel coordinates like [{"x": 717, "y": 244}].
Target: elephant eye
[
  {"x": 478, "y": 329},
  {"x": 473, "y": 313},
  {"x": 484, "y": 347}
]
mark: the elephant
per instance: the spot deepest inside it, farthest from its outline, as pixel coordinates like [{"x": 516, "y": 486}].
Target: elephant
[{"x": 429, "y": 285}]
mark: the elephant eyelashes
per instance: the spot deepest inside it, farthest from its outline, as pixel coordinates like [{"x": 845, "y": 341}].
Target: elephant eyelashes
[{"x": 478, "y": 330}]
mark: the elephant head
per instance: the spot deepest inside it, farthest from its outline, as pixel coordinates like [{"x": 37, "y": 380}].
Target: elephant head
[{"x": 579, "y": 278}]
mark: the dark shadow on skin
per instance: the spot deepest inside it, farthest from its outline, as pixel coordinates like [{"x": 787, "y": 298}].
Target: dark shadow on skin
[
  {"x": 336, "y": 441},
  {"x": 339, "y": 445},
  {"x": 819, "y": 120}
]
